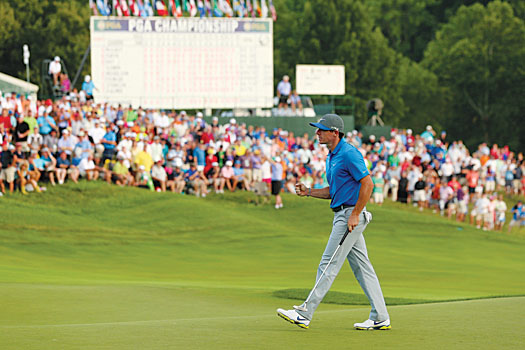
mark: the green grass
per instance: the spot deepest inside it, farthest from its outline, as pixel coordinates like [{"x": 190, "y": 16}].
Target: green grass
[{"x": 100, "y": 267}]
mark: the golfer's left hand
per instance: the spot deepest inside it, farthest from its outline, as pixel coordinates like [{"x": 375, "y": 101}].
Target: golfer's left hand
[{"x": 353, "y": 221}]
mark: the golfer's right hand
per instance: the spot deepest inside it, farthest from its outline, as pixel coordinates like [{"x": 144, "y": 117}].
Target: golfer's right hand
[{"x": 300, "y": 189}]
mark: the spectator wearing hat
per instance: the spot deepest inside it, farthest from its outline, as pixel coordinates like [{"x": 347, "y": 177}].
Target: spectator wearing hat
[
  {"x": 120, "y": 173},
  {"x": 84, "y": 147},
  {"x": 227, "y": 176},
  {"x": 97, "y": 132},
  {"x": 210, "y": 159},
  {"x": 214, "y": 178},
  {"x": 88, "y": 87},
  {"x": 66, "y": 143},
  {"x": 54, "y": 70}
]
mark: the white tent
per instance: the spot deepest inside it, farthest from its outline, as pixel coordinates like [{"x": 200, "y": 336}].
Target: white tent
[{"x": 11, "y": 84}]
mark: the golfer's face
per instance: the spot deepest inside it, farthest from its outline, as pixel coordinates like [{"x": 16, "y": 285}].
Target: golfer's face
[{"x": 324, "y": 136}]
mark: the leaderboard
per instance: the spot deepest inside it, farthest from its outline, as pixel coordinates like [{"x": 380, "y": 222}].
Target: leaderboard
[{"x": 184, "y": 63}]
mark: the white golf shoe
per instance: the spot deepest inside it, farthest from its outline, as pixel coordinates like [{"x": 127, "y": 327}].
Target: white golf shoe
[
  {"x": 293, "y": 317},
  {"x": 370, "y": 325}
]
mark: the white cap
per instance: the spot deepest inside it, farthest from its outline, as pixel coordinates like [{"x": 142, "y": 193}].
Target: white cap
[
  {"x": 429, "y": 127},
  {"x": 87, "y": 78},
  {"x": 229, "y": 163},
  {"x": 57, "y": 58},
  {"x": 233, "y": 121},
  {"x": 409, "y": 131},
  {"x": 199, "y": 115},
  {"x": 278, "y": 159}
]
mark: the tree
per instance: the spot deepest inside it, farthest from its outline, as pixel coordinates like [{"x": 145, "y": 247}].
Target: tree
[
  {"x": 50, "y": 28},
  {"x": 340, "y": 32},
  {"x": 407, "y": 24},
  {"x": 479, "y": 55}
]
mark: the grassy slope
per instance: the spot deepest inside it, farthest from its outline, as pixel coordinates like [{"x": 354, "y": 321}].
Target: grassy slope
[{"x": 94, "y": 254}]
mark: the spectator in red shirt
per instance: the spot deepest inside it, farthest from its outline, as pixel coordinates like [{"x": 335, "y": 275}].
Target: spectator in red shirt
[
  {"x": 454, "y": 184},
  {"x": 207, "y": 135},
  {"x": 5, "y": 119}
]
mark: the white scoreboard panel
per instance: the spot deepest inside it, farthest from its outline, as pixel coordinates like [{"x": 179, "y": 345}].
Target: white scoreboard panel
[
  {"x": 184, "y": 63},
  {"x": 314, "y": 79}
]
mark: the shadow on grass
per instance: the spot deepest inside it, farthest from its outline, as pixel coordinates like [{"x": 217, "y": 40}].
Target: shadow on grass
[{"x": 341, "y": 298}]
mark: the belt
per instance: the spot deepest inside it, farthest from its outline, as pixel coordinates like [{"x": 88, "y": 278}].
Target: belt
[{"x": 341, "y": 207}]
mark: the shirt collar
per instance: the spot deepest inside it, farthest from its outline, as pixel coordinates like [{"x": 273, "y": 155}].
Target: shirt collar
[{"x": 338, "y": 147}]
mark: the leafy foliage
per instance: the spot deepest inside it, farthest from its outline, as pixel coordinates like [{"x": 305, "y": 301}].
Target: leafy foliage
[
  {"x": 50, "y": 28},
  {"x": 453, "y": 64},
  {"x": 480, "y": 57}
]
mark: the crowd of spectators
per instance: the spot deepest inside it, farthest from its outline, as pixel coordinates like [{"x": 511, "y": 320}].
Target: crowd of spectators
[{"x": 73, "y": 138}]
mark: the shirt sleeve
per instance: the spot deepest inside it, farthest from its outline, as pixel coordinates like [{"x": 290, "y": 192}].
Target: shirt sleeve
[{"x": 356, "y": 165}]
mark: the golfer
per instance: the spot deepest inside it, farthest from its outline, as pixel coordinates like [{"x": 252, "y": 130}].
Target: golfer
[{"x": 349, "y": 189}]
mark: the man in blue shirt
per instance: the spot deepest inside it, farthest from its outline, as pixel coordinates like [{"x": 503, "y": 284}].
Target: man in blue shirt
[
  {"x": 46, "y": 123},
  {"x": 518, "y": 215},
  {"x": 349, "y": 189},
  {"x": 110, "y": 143}
]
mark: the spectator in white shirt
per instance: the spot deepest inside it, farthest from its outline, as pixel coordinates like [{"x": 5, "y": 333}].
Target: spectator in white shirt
[
  {"x": 155, "y": 149},
  {"x": 284, "y": 89},
  {"x": 54, "y": 69}
]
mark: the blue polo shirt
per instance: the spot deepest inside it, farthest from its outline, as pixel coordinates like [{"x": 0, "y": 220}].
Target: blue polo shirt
[
  {"x": 110, "y": 136},
  {"x": 345, "y": 167}
]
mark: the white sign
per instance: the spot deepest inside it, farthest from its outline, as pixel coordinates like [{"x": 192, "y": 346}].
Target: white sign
[
  {"x": 183, "y": 63},
  {"x": 320, "y": 79}
]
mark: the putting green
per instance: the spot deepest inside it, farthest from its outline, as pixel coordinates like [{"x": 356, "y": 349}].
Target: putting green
[
  {"x": 99, "y": 267},
  {"x": 167, "y": 317}
]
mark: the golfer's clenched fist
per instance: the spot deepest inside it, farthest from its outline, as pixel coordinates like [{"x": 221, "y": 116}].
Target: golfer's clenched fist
[{"x": 301, "y": 189}]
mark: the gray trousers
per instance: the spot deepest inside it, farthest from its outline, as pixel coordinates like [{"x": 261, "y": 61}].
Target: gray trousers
[{"x": 354, "y": 250}]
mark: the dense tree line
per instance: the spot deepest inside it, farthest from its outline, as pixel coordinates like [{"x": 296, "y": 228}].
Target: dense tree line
[{"x": 459, "y": 65}]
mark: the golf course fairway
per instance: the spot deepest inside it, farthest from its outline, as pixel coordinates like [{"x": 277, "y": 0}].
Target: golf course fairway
[{"x": 93, "y": 266}]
